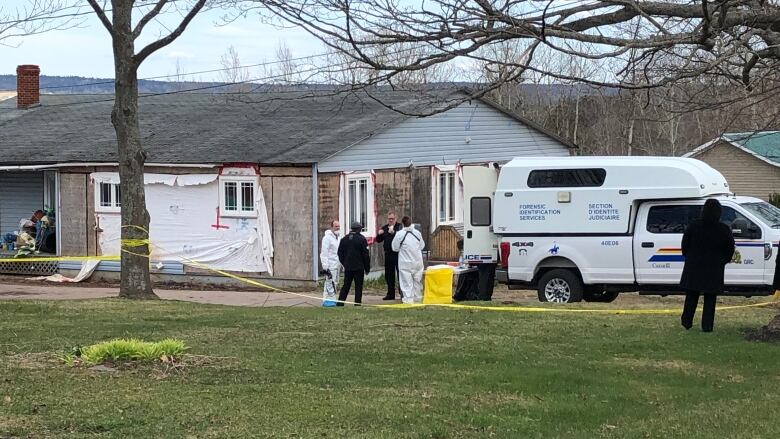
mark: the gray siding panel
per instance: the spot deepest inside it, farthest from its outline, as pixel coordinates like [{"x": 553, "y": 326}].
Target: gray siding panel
[
  {"x": 21, "y": 194},
  {"x": 471, "y": 133}
]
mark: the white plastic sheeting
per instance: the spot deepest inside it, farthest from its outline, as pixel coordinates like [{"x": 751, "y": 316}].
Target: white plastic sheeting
[
  {"x": 87, "y": 268},
  {"x": 185, "y": 225}
]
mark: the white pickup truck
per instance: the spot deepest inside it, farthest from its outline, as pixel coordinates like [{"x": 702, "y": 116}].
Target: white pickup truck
[{"x": 591, "y": 227}]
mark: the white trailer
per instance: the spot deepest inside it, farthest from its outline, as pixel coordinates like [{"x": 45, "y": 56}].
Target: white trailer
[{"x": 591, "y": 227}]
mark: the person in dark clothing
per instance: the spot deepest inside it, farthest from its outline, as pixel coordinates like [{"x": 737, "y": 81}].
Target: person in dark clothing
[
  {"x": 707, "y": 245},
  {"x": 776, "y": 282},
  {"x": 385, "y": 236},
  {"x": 354, "y": 257}
]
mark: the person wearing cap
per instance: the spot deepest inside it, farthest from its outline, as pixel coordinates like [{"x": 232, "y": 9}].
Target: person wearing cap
[{"x": 354, "y": 257}]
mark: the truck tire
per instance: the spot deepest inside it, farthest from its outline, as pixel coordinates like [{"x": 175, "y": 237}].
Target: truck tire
[
  {"x": 601, "y": 297},
  {"x": 560, "y": 286}
]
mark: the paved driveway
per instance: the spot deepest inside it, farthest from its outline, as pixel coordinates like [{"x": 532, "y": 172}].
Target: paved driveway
[{"x": 239, "y": 298}]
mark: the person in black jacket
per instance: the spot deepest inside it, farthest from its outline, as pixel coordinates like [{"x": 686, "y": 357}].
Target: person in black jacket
[
  {"x": 354, "y": 257},
  {"x": 707, "y": 246},
  {"x": 776, "y": 282},
  {"x": 385, "y": 236}
]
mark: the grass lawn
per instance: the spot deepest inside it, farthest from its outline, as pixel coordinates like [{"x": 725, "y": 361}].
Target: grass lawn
[{"x": 421, "y": 373}]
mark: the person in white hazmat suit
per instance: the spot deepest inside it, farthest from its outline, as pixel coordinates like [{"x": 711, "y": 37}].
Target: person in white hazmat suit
[
  {"x": 329, "y": 259},
  {"x": 409, "y": 245}
]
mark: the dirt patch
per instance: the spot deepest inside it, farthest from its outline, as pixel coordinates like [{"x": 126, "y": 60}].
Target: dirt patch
[
  {"x": 16, "y": 293},
  {"x": 676, "y": 365},
  {"x": 34, "y": 360},
  {"x": 768, "y": 333},
  {"x": 762, "y": 334}
]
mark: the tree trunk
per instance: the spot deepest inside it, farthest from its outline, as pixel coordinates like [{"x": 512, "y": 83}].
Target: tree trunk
[
  {"x": 135, "y": 279},
  {"x": 576, "y": 117}
]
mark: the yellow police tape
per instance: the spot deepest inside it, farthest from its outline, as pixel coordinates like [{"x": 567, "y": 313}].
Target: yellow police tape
[
  {"x": 135, "y": 243},
  {"x": 125, "y": 243},
  {"x": 23, "y": 259}
]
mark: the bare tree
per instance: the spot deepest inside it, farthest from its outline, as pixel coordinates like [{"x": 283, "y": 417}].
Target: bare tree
[
  {"x": 36, "y": 16},
  {"x": 647, "y": 43},
  {"x": 233, "y": 71},
  {"x": 135, "y": 280},
  {"x": 734, "y": 39}
]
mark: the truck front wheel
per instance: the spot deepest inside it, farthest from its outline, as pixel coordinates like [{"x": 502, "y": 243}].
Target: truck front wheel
[{"x": 560, "y": 286}]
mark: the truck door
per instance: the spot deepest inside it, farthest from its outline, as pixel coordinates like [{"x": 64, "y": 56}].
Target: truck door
[
  {"x": 479, "y": 184},
  {"x": 747, "y": 265},
  {"x": 658, "y": 235}
]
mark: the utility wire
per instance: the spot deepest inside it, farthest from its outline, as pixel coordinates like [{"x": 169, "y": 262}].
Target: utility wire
[
  {"x": 224, "y": 69},
  {"x": 209, "y": 87}
]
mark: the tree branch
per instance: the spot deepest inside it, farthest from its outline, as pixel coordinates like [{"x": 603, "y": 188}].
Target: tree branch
[
  {"x": 159, "y": 44},
  {"x": 102, "y": 16},
  {"x": 148, "y": 17}
]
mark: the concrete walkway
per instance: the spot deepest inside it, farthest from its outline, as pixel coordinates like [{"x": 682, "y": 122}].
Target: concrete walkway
[{"x": 45, "y": 291}]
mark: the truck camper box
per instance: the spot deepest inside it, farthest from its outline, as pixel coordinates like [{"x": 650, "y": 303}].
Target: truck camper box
[
  {"x": 593, "y": 195},
  {"x": 588, "y": 228}
]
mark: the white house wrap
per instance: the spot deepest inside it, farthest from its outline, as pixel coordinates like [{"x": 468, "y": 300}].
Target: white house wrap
[{"x": 187, "y": 224}]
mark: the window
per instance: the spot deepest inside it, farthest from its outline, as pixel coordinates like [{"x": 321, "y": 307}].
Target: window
[
  {"x": 480, "y": 211},
  {"x": 675, "y": 219},
  {"x": 671, "y": 219},
  {"x": 741, "y": 227},
  {"x": 567, "y": 178},
  {"x": 766, "y": 212},
  {"x": 446, "y": 192},
  {"x": 237, "y": 196},
  {"x": 108, "y": 197},
  {"x": 357, "y": 201}
]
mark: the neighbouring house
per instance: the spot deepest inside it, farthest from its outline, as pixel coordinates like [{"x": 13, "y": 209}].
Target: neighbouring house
[
  {"x": 247, "y": 183},
  {"x": 749, "y": 161}
]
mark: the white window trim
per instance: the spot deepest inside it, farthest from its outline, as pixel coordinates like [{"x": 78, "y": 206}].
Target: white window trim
[
  {"x": 458, "y": 208},
  {"x": 99, "y": 208},
  {"x": 370, "y": 226},
  {"x": 238, "y": 180}
]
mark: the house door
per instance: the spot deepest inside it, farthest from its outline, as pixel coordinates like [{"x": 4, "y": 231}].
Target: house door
[{"x": 21, "y": 195}]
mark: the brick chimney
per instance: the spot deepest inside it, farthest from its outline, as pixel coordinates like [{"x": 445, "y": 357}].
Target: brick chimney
[{"x": 28, "y": 90}]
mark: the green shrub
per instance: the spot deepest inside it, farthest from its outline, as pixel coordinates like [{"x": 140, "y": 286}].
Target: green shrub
[{"x": 131, "y": 349}]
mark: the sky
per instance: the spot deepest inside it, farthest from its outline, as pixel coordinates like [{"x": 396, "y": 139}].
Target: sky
[{"x": 86, "y": 49}]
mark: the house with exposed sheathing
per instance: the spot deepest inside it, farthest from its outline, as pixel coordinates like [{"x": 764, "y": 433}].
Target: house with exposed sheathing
[{"x": 247, "y": 183}]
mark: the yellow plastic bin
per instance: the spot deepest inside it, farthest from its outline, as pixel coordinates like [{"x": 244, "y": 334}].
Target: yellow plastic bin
[{"x": 438, "y": 284}]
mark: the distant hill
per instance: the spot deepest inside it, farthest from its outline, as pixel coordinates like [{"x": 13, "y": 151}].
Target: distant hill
[{"x": 83, "y": 85}]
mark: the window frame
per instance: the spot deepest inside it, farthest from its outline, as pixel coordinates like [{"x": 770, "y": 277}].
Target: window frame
[
  {"x": 369, "y": 228},
  {"x": 240, "y": 211},
  {"x": 750, "y": 221},
  {"x": 450, "y": 196},
  {"x": 694, "y": 213},
  {"x": 455, "y": 197},
  {"x": 114, "y": 205},
  {"x": 689, "y": 207},
  {"x": 601, "y": 172},
  {"x": 490, "y": 211}
]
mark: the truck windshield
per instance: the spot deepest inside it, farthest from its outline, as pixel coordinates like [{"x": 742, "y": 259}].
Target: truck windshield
[{"x": 767, "y": 212}]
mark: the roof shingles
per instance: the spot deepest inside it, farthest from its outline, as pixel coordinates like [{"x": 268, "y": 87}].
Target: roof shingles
[
  {"x": 265, "y": 128},
  {"x": 762, "y": 143}
]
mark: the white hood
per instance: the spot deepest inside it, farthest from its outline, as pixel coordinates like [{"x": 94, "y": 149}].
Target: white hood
[{"x": 329, "y": 257}]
